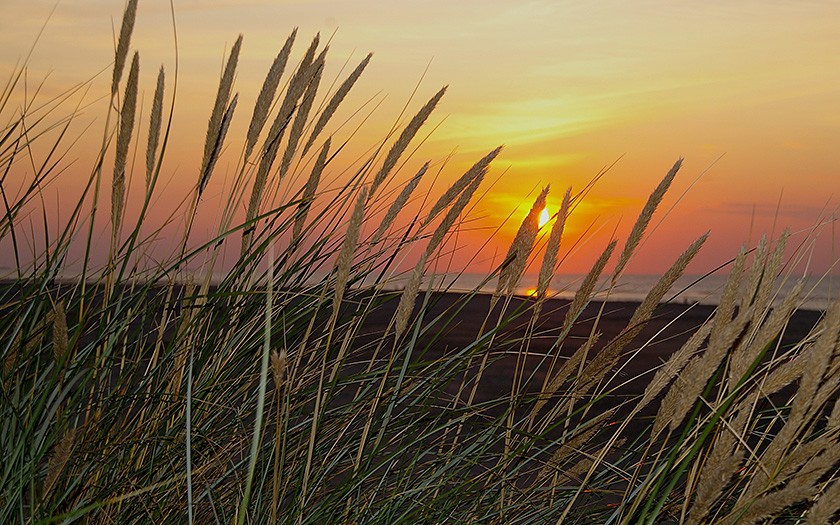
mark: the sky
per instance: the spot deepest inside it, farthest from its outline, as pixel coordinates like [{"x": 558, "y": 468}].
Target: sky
[{"x": 747, "y": 92}]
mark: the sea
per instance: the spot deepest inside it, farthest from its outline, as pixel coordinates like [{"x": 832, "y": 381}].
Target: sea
[{"x": 818, "y": 292}]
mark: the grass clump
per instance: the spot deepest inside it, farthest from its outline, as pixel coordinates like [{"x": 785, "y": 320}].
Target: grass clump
[{"x": 293, "y": 386}]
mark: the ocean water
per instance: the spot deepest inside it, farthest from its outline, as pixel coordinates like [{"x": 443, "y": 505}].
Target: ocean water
[{"x": 817, "y": 294}]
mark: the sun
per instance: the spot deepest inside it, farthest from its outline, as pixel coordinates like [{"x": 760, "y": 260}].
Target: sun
[{"x": 544, "y": 218}]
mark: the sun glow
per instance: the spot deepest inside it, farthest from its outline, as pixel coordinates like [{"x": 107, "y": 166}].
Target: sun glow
[{"x": 544, "y": 218}]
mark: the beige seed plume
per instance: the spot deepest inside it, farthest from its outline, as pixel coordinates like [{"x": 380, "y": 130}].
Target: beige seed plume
[
  {"x": 657, "y": 293},
  {"x": 769, "y": 506},
  {"x": 154, "y": 130},
  {"x": 750, "y": 348},
  {"x": 806, "y": 458},
  {"x": 309, "y": 190},
  {"x": 412, "y": 288},
  {"x": 574, "y": 445},
  {"x": 316, "y": 70},
  {"x": 726, "y": 308},
  {"x": 60, "y": 332},
  {"x": 718, "y": 469},
  {"x": 607, "y": 358},
  {"x": 58, "y": 460},
  {"x": 834, "y": 417},
  {"x": 129, "y": 15},
  {"x": 784, "y": 375},
  {"x": 560, "y": 377},
  {"x": 756, "y": 273},
  {"x": 126, "y": 127},
  {"x": 769, "y": 272},
  {"x": 453, "y": 213},
  {"x": 673, "y": 366},
  {"x": 683, "y": 394},
  {"x": 551, "y": 249},
  {"x": 584, "y": 293},
  {"x": 819, "y": 361},
  {"x": 450, "y": 194},
  {"x": 266, "y": 96},
  {"x": 644, "y": 218},
  {"x": 398, "y": 204},
  {"x": 523, "y": 242},
  {"x": 294, "y": 91},
  {"x": 275, "y": 133},
  {"x": 297, "y": 85},
  {"x": 335, "y": 101},
  {"x": 223, "y": 129},
  {"x": 278, "y": 366},
  {"x": 345, "y": 257},
  {"x": 409, "y": 295},
  {"x": 826, "y": 506},
  {"x": 405, "y": 137},
  {"x": 212, "y": 144}
]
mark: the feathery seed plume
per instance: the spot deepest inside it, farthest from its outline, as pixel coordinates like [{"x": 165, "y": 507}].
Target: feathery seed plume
[
  {"x": 459, "y": 185},
  {"x": 407, "y": 298},
  {"x": 129, "y": 15},
  {"x": 602, "y": 363},
  {"x": 656, "y": 294},
  {"x": 721, "y": 465},
  {"x": 412, "y": 288},
  {"x": 819, "y": 361},
  {"x": 726, "y": 308},
  {"x": 520, "y": 248},
  {"x": 309, "y": 190},
  {"x": 673, "y": 366},
  {"x": 60, "y": 332},
  {"x": 154, "y": 129},
  {"x": 574, "y": 444},
  {"x": 126, "y": 127},
  {"x": 335, "y": 101},
  {"x": 748, "y": 350},
  {"x": 223, "y": 128},
  {"x": 297, "y": 85},
  {"x": 756, "y": 273},
  {"x": 398, "y": 203},
  {"x": 266, "y": 96},
  {"x": 405, "y": 137},
  {"x": 834, "y": 417},
  {"x": 316, "y": 70},
  {"x": 551, "y": 249},
  {"x": 683, "y": 394},
  {"x": 557, "y": 380},
  {"x": 275, "y": 133},
  {"x": 212, "y": 143},
  {"x": 584, "y": 293},
  {"x": 826, "y": 506},
  {"x": 278, "y": 366},
  {"x": 644, "y": 219},
  {"x": 345, "y": 256},
  {"x": 58, "y": 460},
  {"x": 453, "y": 213}
]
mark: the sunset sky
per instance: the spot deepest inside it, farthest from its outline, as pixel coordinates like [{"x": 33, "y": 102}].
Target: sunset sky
[{"x": 748, "y": 92}]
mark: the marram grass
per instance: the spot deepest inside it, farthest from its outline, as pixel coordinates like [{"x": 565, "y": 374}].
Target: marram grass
[{"x": 257, "y": 391}]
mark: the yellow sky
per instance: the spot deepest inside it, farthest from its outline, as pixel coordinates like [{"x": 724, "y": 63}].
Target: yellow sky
[{"x": 567, "y": 86}]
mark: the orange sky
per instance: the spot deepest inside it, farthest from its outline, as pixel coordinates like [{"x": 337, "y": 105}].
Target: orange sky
[{"x": 567, "y": 86}]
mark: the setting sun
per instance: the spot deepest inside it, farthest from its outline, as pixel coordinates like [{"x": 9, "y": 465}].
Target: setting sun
[{"x": 544, "y": 218}]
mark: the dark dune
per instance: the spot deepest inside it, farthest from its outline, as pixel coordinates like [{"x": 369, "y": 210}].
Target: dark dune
[{"x": 456, "y": 323}]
